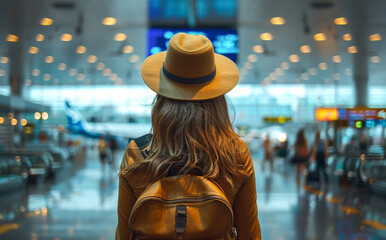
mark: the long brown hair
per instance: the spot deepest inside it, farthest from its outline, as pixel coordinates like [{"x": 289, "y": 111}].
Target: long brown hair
[
  {"x": 300, "y": 139},
  {"x": 196, "y": 134}
]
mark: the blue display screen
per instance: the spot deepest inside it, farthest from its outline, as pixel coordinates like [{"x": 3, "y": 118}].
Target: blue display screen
[{"x": 225, "y": 41}]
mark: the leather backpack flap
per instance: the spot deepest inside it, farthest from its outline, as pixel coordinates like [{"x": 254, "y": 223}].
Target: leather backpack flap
[{"x": 182, "y": 207}]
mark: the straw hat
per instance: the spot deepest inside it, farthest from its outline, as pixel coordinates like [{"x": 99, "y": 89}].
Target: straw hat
[{"x": 190, "y": 70}]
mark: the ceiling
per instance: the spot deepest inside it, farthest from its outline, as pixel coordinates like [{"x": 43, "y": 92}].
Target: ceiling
[{"x": 83, "y": 20}]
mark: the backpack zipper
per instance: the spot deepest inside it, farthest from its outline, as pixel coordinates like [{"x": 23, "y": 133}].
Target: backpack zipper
[{"x": 181, "y": 200}]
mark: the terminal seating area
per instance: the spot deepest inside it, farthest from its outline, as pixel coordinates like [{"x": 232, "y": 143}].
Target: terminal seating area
[{"x": 19, "y": 167}]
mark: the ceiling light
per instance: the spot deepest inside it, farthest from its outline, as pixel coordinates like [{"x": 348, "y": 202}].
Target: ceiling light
[
  {"x": 35, "y": 72},
  {"x": 113, "y": 77},
  {"x": 336, "y": 59},
  {"x": 44, "y": 116},
  {"x": 109, "y": 21},
  {"x": 375, "y": 37},
  {"x": 305, "y": 49},
  {"x": 12, "y": 38},
  {"x": 14, "y": 121},
  {"x": 133, "y": 58},
  {"x": 279, "y": 71},
  {"x": 28, "y": 82},
  {"x": 277, "y": 21},
  {"x": 313, "y": 71},
  {"x": 81, "y": 49},
  {"x": 120, "y": 37},
  {"x": 304, "y": 76},
  {"x": 46, "y": 77},
  {"x": 266, "y": 36},
  {"x": 37, "y": 115},
  {"x": 348, "y": 71},
  {"x": 92, "y": 59},
  {"x": 347, "y": 37},
  {"x": 352, "y": 49},
  {"x": 80, "y": 77},
  {"x": 2, "y": 73},
  {"x": 252, "y": 58},
  {"x": 327, "y": 80},
  {"x": 272, "y": 76},
  {"x": 46, "y": 21},
  {"x": 4, "y": 60},
  {"x": 33, "y": 50},
  {"x": 258, "y": 49},
  {"x": 106, "y": 71},
  {"x": 128, "y": 49},
  {"x": 62, "y": 66},
  {"x": 285, "y": 65},
  {"x": 340, "y": 21},
  {"x": 100, "y": 66},
  {"x": 23, "y": 122},
  {"x": 40, "y": 37},
  {"x": 323, "y": 66},
  {"x": 72, "y": 72},
  {"x": 375, "y": 59},
  {"x": 49, "y": 59},
  {"x": 66, "y": 37},
  {"x": 336, "y": 76},
  {"x": 294, "y": 58},
  {"x": 320, "y": 37},
  {"x": 248, "y": 65}
]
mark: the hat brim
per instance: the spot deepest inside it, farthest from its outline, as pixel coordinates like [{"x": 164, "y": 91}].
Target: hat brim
[{"x": 227, "y": 76}]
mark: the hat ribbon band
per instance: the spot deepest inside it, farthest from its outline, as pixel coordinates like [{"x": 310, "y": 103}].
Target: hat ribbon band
[{"x": 183, "y": 80}]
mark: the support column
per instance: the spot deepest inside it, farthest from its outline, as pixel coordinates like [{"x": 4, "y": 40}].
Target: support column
[{"x": 360, "y": 59}]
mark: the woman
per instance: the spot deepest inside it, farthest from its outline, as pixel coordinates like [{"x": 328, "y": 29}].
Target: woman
[
  {"x": 319, "y": 153},
  {"x": 301, "y": 154},
  {"x": 191, "y": 129}
]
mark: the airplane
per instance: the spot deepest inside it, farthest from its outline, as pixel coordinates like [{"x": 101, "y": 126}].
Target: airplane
[{"x": 78, "y": 124}]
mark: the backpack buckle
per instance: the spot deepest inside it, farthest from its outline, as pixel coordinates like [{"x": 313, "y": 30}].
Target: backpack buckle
[{"x": 181, "y": 218}]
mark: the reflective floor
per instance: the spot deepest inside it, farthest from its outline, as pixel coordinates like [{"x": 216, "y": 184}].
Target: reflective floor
[{"x": 80, "y": 203}]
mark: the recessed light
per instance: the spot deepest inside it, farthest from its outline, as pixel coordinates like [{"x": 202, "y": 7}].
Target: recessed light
[
  {"x": 72, "y": 72},
  {"x": 46, "y": 21},
  {"x": 46, "y": 77},
  {"x": 120, "y": 37},
  {"x": 340, "y": 21},
  {"x": 323, "y": 66},
  {"x": 109, "y": 21},
  {"x": 258, "y": 49},
  {"x": 285, "y": 65},
  {"x": 35, "y": 72},
  {"x": 92, "y": 59},
  {"x": 336, "y": 76},
  {"x": 375, "y": 59},
  {"x": 313, "y": 71},
  {"x": 336, "y": 59},
  {"x": 266, "y": 36},
  {"x": 252, "y": 58},
  {"x": 66, "y": 37},
  {"x": 320, "y": 37},
  {"x": 12, "y": 38},
  {"x": 128, "y": 49},
  {"x": 134, "y": 58},
  {"x": 352, "y": 49},
  {"x": 347, "y": 37},
  {"x": 277, "y": 21},
  {"x": 49, "y": 59},
  {"x": 4, "y": 60},
  {"x": 81, "y": 49},
  {"x": 33, "y": 50},
  {"x": 375, "y": 37},
  {"x": 294, "y": 58},
  {"x": 62, "y": 66},
  {"x": 305, "y": 49},
  {"x": 100, "y": 66},
  {"x": 40, "y": 37},
  {"x": 2, "y": 73}
]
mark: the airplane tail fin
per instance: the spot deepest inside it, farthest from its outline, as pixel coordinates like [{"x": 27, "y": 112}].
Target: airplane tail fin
[{"x": 76, "y": 122}]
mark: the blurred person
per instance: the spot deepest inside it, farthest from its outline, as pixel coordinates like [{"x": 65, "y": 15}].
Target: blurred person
[
  {"x": 102, "y": 148},
  {"x": 191, "y": 131},
  {"x": 319, "y": 153},
  {"x": 301, "y": 154},
  {"x": 363, "y": 144},
  {"x": 351, "y": 147},
  {"x": 113, "y": 149},
  {"x": 268, "y": 152}
]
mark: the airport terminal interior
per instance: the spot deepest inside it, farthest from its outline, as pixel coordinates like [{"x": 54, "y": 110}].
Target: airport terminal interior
[{"x": 71, "y": 86}]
